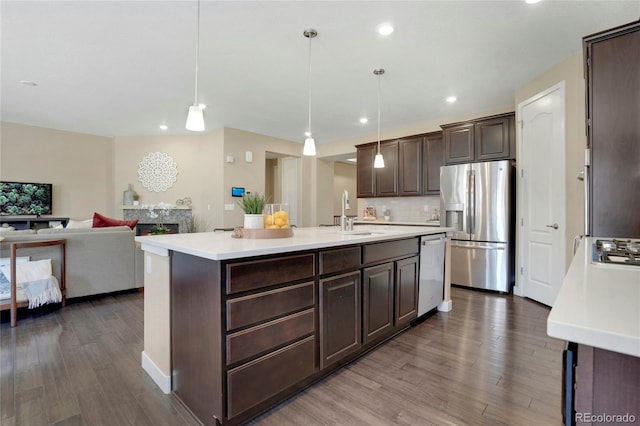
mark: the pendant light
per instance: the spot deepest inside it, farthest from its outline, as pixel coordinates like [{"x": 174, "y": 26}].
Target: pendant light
[
  {"x": 195, "y": 117},
  {"x": 378, "y": 162},
  {"x": 309, "y": 143}
]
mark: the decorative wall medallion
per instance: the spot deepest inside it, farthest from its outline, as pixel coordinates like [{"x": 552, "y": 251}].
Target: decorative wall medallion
[{"x": 157, "y": 171}]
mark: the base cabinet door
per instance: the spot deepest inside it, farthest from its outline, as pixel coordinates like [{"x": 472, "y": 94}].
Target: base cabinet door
[
  {"x": 340, "y": 324},
  {"x": 406, "y": 290},
  {"x": 377, "y": 301}
]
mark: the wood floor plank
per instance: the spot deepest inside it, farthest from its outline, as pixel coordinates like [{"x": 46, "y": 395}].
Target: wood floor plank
[{"x": 487, "y": 362}]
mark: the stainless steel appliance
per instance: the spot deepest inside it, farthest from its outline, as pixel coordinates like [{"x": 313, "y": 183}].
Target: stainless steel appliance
[
  {"x": 616, "y": 252},
  {"x": 431, "y": 278},
  {"x": 476, "y": 200}
]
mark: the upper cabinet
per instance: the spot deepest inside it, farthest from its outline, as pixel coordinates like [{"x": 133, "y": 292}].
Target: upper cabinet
[
  {"x": 432, "y": 160},
  {"x": 485, "y": 139},
  {"x": 366, "y": 178},
  {"x": 410, "y": 166},
  {"x": 387, "y": 177}
]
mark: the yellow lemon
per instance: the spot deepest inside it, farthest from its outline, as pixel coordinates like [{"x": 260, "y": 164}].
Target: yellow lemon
[
  {"x": 272, "y": 227},
  {"x": 268, "y": 219},
  {"x": 280, "y": 221}
]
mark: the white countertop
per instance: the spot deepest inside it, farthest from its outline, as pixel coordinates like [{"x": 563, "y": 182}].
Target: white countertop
[
  {"x": 598, "y": 305},
  {"x": 221, "y": 246}
]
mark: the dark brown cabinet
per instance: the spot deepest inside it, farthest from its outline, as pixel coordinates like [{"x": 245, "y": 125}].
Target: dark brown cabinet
[
  {"x": 377, "y": 301},
  {"x": 613, "y": 130},
  {"x": 459, "y": 143},
  {"x": 340, "y": 325},
  {"x": 406, "y": 296},
  {"x": 492, "y": 139},
  {"x": 433, "y": 159},
  {"x": 412, "y": 167},
  {"x": 248, "y": 333},
  {"x": 387, "y": 177},
  {"x": 486, "y": 139},
  {"x": 410, "y": 153},
  {"x": 390, "y": 287},
  {"x": 366, "y": 178}
]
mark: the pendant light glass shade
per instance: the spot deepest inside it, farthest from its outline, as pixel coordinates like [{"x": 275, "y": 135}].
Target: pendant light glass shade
[
  {"x": 378, "y": 161},
  {"x": 309, "y": 143},
  {"x": 309, "y": 147},
  {"x": 195, "y": 117}
]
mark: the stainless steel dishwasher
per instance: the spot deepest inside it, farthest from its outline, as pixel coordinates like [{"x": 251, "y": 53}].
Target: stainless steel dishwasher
[{"x": 431, "y": 282}]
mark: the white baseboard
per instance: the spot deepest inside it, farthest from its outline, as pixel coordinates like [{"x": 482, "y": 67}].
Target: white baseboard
[
  {"x": 445, "y": 306},
  {"x": 163, "y": 381}
]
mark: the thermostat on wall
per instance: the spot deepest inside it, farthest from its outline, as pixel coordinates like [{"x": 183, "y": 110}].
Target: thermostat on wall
[{"x": 237, "y": 192}]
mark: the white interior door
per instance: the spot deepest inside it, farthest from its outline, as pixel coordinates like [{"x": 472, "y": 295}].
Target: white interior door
[
  {"x": 542, "y": 195},
  {"x": 290, "y": 187}
]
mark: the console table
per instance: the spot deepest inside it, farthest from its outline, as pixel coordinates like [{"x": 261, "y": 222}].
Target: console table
[
  {"x": 13, "y": 304},
  {"x": 32, "y": 222}
]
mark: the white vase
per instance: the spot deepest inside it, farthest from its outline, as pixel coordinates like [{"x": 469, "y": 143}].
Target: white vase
[{"x": 253, "y": 221}]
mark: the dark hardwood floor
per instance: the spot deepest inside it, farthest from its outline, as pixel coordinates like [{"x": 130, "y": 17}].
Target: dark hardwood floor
[{"x": 489, "y": 361}]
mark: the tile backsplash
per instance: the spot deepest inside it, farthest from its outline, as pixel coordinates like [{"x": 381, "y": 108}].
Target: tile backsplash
[{"x": 403, "y": 209}]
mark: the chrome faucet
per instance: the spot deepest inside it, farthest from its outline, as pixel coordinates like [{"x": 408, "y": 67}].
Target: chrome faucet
[{"x": 344, "y": 224}]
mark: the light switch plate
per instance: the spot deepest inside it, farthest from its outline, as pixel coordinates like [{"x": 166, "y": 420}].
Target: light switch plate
[{"x": 229, "y": 207}]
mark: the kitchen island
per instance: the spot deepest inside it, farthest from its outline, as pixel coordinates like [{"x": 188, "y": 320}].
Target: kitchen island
[
  {"x": 597, "y": 312},
  {"x": 235, "y": 326}
]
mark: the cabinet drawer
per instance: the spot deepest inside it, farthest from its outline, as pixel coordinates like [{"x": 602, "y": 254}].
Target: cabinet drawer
[
  {"x": 339, "y": 260},
  {"x": 277, "y": 371},
  {"x": 270, "y": 304},
  {"x": 263, "y": 273},
  {"x": 252, "y": 341},
  {"x": 390, "y": 250}
]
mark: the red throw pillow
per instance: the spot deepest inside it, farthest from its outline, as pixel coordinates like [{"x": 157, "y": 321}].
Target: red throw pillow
[{"x": 100, "y": 221}]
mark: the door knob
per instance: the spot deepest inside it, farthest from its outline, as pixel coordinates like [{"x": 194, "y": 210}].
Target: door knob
[{"x": 554, "y": 226}]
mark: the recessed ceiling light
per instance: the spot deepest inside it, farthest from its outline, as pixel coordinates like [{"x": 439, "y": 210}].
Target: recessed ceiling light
[
  {"x": 532, "y": 1},
  {"x": 163, "y": 127},
  {"x": 451, "y": 99},
  {"x": 364, "y": 120},
  {"x": 353, "y": 160},
  {"x": 385, "y": 29},
  {"x": 28, "y": 83}
]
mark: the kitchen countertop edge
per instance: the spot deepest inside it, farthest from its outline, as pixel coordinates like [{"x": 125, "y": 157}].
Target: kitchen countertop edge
[
  {"x": 598, "y": 305},
  {"x": 221, "y": 246}
]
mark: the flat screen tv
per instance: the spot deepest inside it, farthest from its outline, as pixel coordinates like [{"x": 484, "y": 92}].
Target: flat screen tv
[{"x": 24, "y": 198}]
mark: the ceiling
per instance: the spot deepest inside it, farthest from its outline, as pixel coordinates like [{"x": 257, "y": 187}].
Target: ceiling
[{"x": 124, "y": 67}]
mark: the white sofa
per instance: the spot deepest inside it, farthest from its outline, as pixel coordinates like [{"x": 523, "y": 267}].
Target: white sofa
[{"x": 99, "y": 260}]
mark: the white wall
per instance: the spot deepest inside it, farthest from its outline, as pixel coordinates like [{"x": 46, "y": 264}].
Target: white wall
[
  {"x": 571, "y": 72},
  {"x": 198, "y": 158},
  {"x": 78, "y": 165}
]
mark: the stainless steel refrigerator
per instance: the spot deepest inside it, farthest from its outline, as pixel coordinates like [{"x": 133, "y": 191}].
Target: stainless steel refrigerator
[{"x": 476, "y": 200}]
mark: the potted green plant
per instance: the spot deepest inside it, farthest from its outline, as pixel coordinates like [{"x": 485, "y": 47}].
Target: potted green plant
[{"x": 253, "y": 207}]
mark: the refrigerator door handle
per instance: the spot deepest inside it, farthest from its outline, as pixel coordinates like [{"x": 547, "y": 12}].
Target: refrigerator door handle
[
  {"x": 471, "y": 202},
  {"x": 484, "y": 246}
]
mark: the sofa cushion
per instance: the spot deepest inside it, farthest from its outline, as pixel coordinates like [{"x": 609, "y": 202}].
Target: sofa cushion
[
  {"x": 12, "y": 231},
  {"x": 62, "y": 231},
  {"x": 100, "y": 221},
  {"x": 80, "y": 223}
]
